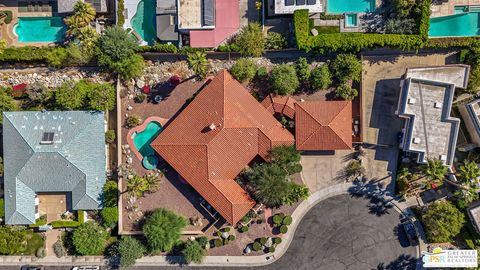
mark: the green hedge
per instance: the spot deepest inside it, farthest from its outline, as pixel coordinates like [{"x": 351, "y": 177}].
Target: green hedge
[
  {"x": 39, "y": 222},
  {"x": 64, "y": 224},
  {"x": 354, "y": 42},
  {"x": 26, "y": 54},
  {"x": 120, "y": 16},
  {"x": 165, "y": 48},
  {"x": 80, "y": 216}
]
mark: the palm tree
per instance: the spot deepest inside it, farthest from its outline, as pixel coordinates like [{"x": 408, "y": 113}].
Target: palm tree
[
  {"x": 434, "y": 170},
  {"x": 197, "y": 61},
  {"x": 469, "y": 172},
  {"x": 151, "y": 183},
  {"x": 354, "y": 169},
  {"x": 83, "y": 15},
  {"x": 137, "y": 186}
]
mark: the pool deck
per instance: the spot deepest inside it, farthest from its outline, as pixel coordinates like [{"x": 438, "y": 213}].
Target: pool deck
[
  {"x": 140, "y": 128},
  {"x": 448, "y": 8},
  {"x": 7, "y": 31}
]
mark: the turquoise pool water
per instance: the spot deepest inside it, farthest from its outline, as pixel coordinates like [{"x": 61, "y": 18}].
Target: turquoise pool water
[
  {"x": 40, "y": 29},
  {"x": 144, "y": 21},
  {"x": 142, "y": 141},
  {"x": 351, "y": 20},
  {"x": 458, "y": 25},
  {"x": 345, "y": 6}
]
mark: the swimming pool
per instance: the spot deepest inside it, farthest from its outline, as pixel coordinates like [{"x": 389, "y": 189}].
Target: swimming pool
[
  {"x": 458, "y": 25},
  {"x": 40, "y": 29},
  {"x": 142, "y": 141},
  {"x": 144, "y": 21},
  {"x": 346, "y": 6}
]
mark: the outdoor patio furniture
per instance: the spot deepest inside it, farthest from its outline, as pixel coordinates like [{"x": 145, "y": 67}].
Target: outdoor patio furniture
[{"x": 157, "y": 98}]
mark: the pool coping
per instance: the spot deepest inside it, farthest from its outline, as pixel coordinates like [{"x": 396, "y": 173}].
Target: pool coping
[{"x": 160, "y": 120}]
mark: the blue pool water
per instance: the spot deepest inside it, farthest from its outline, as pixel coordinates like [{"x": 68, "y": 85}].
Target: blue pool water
[
  {"x": 458, "y": 25},
  {"x": 40, "y": 29},
  {"x": 351, "y": 20},
  {"x": 142, "y": 141},
  {"x": 144, "y": 21},
  {"x": 346, "y": 6}
]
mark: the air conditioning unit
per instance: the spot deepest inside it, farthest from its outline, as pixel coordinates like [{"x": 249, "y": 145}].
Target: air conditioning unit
[
  {"x": 437, "y": 105},
  {"x": 411, "y": 101},
  {"x": 416, "y": 140}
]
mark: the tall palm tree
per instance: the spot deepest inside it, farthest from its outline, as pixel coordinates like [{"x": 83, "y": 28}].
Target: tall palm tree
[
  {"x": 83, "y": 15},
  {"x": 197, "y": 61},
  {"x": 435, "y": 171}
]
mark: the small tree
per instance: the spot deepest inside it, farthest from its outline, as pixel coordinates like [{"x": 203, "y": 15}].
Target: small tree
[
  {"x": 109, "y": 216},
  {"x": 7, "y": 103},
  {"x": 72, "y": 95},
  {"x": 469, "y": 171},
  {"x": 12, "y": 239},
  {"x": 129, "y": 68},
  {"x": 130, "y": 249},
  {"x": 193, "y": 252},
  {"x": 442, "y": 221},
  {"x": 137, "y": 186},
  {"x": 110, "y": 136},
  {"x": 435, "y": 171},
  {"x": 132, "y": 121},
  {"x": 163, "y": 229},
  {"x": 152, "y": 182},
  {"x": 268, "y": 183},
  {"x": 321, "y": 78},
  {"x": 303, "y": 69},
  {"x": 354, "y": 169},
  {"x": 251, "y": 40},
  {"x": 346, "y": 92},
  {"x": 89, "y": 238},
  {"x": 197, "y": 61},
  {"x": 346, "y": 67},
  {"x": 287, "y": 157},
  {"x": 101, "y": 97},
  {"x": 244, "y": 69},
  {"x": 110, "y": 194},
  {"x": 284, "y": 79}
]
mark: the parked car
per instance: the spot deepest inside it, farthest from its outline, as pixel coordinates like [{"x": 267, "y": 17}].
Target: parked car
[
  {"x": 89, "y": 267},
  {"x": 32, "y": 267},
  {"x": 410, "y": 232}
]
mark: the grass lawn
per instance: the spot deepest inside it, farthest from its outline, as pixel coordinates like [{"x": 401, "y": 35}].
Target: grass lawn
[
  {"x": 34, "y": 241},
  {"x": 327, "y": 29}
]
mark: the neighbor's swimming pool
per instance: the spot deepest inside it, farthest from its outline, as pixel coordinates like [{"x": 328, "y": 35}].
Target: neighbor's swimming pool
[
  {"x": 144, "y": 21},
  {"x": 347, "y": 6},
  {"x": 458, "y": 25},
  {"x": 40, "y": 29},
  {"x": 142, "y": 141}
]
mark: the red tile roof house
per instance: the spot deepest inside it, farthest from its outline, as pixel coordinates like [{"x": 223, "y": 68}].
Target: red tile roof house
[{"x": 215, "y": 137}]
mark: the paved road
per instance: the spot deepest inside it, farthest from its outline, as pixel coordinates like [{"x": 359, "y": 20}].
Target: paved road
[{"x": 339, "y": 233}]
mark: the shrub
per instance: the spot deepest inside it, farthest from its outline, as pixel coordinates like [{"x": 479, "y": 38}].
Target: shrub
[
  {"x": 218, "y": 242},
  {"x": 269, "y": 183},
  {"x": 400, "y": 26},
  {"x": 287, "y": 157},
  {"x": 226, "y": 229},
  {"x": 139, "y": 98},
  {"x": 283, "y": 229},
  {"x": 110, "y": 193},
  {"x": 7, "y": 103},
  {"x": 202, "y": 240},
  {"x": 271, "y": 249},
  {"x": 231, "y": 238},
  {"x": 40, "y": 253},
  {"x": 8, "y": 16},
  {"x": 64, "y": 224},
  {"x": 277, "y": 240},
  {"x": 277, "y": 219},
  {"x": 132, "y": 121},
  {"x": 346, "y": 67},
  {"x": 129, "y": 249},
  {"x": 284, "y": 79},
  {"x": 110, "y": 136},
  {"x": 321, "y": 78},
  {"x": 287, "y": 220},
  {"x": 250, "y": 40},
  {"x": 109, "y": 216},
  {"x": 101, "y": 97},
  {"x": 163, "y": 229},
  {"x": 57, "y": 58},
  {"x": 303, "y": 69},
  {"x": 2, "y": 208},
  {"x": 256, "y": 246},
  {"x": 164, "y": 48},
  {"x": 89, "y": 238},
  {"x": 244, "y": 69},
  {"x": 193, "y": 252},
  {"x": 296, "y": 193},
  {"x": 13, "y": 239},
  {"x": 346, "y": 92},
  {"x": 244, "y": 229},
  {"x": 58, "y": 249},
  {"x": 39, "y": 222},
  {"x": 262, "y": 72},
  {"x": 442, "y": 222},
  {"x": 263, "y": 240},
  {"x": 120, "y": 10},
  {"x": 275, "y": 41},
  {"x": 197, "y": 61}
]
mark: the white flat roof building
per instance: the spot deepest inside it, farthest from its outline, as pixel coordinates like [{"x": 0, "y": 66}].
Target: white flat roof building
[
  {"x": 425, "y": 103},
  {"x": 289, "y": 6}
]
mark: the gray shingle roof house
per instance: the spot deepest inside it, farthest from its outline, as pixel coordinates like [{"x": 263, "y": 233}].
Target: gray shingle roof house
[{"x": 52, "y": 151}]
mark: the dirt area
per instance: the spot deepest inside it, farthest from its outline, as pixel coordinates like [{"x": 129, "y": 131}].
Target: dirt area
[{"x": 380, "y": 90}]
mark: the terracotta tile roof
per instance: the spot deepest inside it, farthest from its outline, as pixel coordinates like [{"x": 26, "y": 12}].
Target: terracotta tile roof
[
  {"x": 280, "y": 104},
  {"x": 323, "y": 125},
  {"x": 209, "y": 160}
]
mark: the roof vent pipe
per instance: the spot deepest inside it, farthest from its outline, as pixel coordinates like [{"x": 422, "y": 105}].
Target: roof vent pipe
[{"x": 212, "y": 126}]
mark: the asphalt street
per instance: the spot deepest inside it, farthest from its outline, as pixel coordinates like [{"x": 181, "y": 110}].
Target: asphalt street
[{"x": 342, "y": 232}]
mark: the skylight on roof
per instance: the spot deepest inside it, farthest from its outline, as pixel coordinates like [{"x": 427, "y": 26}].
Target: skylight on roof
[{"x": 47, "y": 138}]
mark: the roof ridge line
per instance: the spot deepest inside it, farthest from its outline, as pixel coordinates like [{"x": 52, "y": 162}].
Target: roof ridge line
[
  {"x": 19, "y": 133},
  {"x": 314, "y": 132},
  {"x": 82, "y": 131},
  {"x": 336, "y": 116},
  {"x": 20, "y": 215}
]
